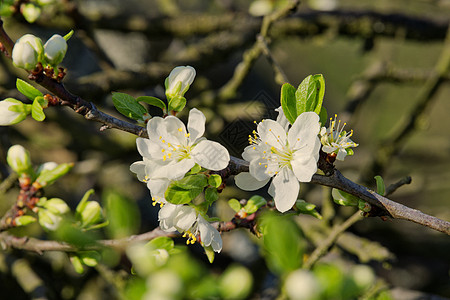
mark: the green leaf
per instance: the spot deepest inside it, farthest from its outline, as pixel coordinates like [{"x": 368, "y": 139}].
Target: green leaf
[
  {"x": 307, "y": 209},
  {"x": 30, "y": 12},
  {"x": 177, "y": 195},
  {"x": 37, "y": 112},
  {"x": 310, "y": 93},
  {"x": 90, "y": 258},
  {"x": 235, "y": 205},
  {"x": 209, "y": 253},
  {"x": 82, "y": 205},
  {"x": 153, "y": 101},
  {"x": 161, "y": 242},
  {"x": 215, "y": 180},
  {"x": 381, "y": 188},
  {"x": 123, "y": 215},
  {"x": 128, "y": 106},
  {"x": 343, "y": 198},
  {"x": 254, "y": 203},
  {"x": 77, "y": 264},
  {"x": 47, "y": 177},
  {"x": 288, "y": 102},
  {"x": 195, "y": 169},
  {"x": 197, "y": 181},
  {"x": 283, "y": 242},
  {"x": 211, "y": 195},
  {"x": 27, "y": 89},
  {"x": 177, "y": 103},
  {"x": 68, "y": 36},
  {"x": 323, "y": 116}
]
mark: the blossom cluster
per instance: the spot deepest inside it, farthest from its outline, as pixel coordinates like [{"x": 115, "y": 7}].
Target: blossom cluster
[
  {"x": 172, "y": 150},
  {"x": 282, "y": 151}
]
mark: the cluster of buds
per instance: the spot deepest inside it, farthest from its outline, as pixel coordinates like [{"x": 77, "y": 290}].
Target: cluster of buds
[{"x": 29, "y": 51}]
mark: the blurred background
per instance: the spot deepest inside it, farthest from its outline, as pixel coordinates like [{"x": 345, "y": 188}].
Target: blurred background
[{"x": 386, "y": 68}]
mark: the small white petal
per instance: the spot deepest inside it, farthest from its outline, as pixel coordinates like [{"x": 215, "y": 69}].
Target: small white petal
[
  {"x": 196, "y": 125},
  {"x": 245, "y": 181},
  {"x": 138, "y": 168},
  {"x": 286, "y": 188},
  {"x": 341, "y": 154},
  {"x": 211, "y": 155}
]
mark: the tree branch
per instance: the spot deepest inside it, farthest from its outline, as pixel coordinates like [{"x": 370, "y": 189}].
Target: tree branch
[{"x": 35, "y": 245}]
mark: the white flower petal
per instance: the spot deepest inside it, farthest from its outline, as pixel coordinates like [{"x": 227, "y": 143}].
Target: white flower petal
[
  {"x": 196, "y": 125},
  {"x": 138, "y": 168},
  {"x": 341, "y": 154},
  {"x": 304, "y": 167},
  {"x": 258, "y": 169},
  {"x": 211, "y": 155},
  {"x": 145, "y": 147},
  {"x": 245, "y": 181},
  {"x": 209, "y": 235},
  {"x": 284, "y": 122},
  {"x": 304, "y": 131},
  {"x": 252, "y": 152},
  {"x": 158, "y": 188},
  {"x": 272, "y": 133},
  {"x": 286, "y": 188},
  {"x": 173, "y": 171},
  {"x": 176, "y": 131},
  {"x": 166, "y": 216},
  {"x": 185, "y": 218}
]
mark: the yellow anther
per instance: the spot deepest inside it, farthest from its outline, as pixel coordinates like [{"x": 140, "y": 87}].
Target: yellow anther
[
  {"x": 254, "y": 148},
  {"x": 163, "y": 150},
  {"x": 180, "y": 129},
  {"x": 259, "y": 163},
  {"x": 164, "y": 158}
]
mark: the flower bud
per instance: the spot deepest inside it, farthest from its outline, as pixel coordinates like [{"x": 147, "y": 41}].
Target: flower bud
[
  {"x": 49, "y": 220},
  {"x": 48, "y": 166},
  {"x": 12, "y": 111},
  {"x": 56, "y": 206},
  {"x": 24, "y": 220},
  {"x": 179, "y": 81},
  {"x": 27, "y": 51},
  {"x": 19, "y": 159},
  {"x": 91, "y": 214},
  {"x": 55, "y": 50}
]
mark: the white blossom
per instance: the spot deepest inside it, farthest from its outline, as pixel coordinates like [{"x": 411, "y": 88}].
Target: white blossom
[
  {"x": 179, "y": 80},
  {"x": 187, "y": 220},
  {"x": 288, "y": 157},
  {"x": 170, "y": 151},
  {"x": 335, "y": 140}
]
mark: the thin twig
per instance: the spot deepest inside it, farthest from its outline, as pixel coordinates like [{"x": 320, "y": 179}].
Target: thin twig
[
  {"x": 393, "y": 187},
  {"x": 336, "y": 231}
]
